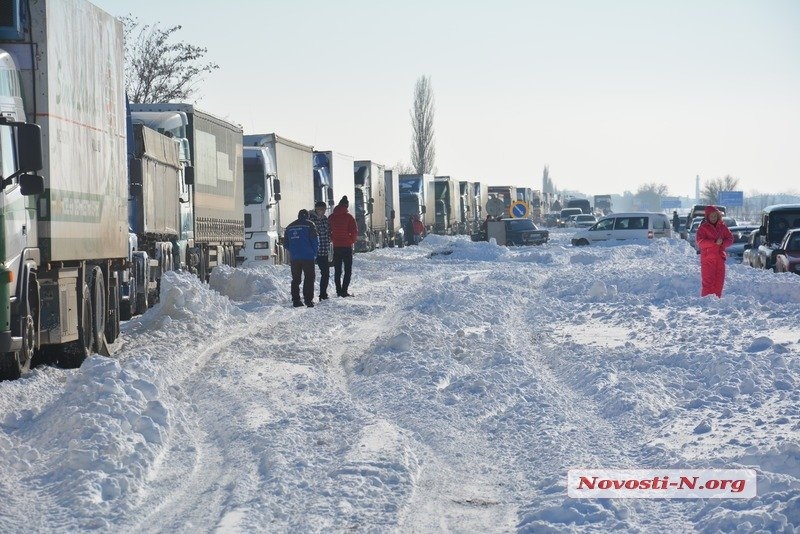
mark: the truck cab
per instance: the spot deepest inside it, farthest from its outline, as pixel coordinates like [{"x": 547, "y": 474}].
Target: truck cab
[{"x": 261, "y": 196}]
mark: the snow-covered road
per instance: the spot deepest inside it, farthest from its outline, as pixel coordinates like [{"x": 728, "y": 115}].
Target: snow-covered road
[{"x": 452, "y": 393}]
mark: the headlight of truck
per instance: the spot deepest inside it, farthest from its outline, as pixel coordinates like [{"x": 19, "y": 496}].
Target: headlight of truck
[{"x": 261, "y": 245}]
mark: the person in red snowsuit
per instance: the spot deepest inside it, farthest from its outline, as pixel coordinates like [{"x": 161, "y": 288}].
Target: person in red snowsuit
[{"x": 712, "y": 238}]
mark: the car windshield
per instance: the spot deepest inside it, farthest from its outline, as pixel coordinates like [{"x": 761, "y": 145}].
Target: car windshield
[
  {"x": 517, "y": 225},
  {"x": 793, "y": 243},
  {"x": 585, "y": 218},
  {"x": 742, "y": 233}
]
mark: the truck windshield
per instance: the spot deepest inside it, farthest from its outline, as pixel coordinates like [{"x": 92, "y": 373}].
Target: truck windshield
[{"x": 254, "y": 186}]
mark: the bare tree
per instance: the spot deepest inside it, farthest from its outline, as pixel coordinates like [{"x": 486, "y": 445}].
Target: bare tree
[
  {"x": 711, "y": 189},
  {"x": 403, "y": 168},
  {"x": 649, "y": 195},
  {"x": 423, "y": 152},
  {"x": 157, "y": 69}
]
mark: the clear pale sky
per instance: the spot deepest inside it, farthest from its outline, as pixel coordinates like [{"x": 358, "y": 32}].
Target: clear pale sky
[{"x": 610, "y": 94}]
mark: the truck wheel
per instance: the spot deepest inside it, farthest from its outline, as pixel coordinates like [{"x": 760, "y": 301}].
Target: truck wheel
[
  {"x": 141, "y": 301},
  {"x": 127, "y": 307},
  {"x": 15, "y": 364},
  {"x": 99, "y": 309},
  {"x": 112, "y": 322},
  {"x": 73, "y": 353}
]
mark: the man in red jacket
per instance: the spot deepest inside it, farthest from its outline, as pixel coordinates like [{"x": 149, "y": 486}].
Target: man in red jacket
[
  {"x": 344, "y": 234},
  {"x": 712, "y": 238}
]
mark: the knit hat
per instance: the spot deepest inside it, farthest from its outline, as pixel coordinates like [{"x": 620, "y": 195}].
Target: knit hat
[
  {"x": 344, "y": 201},
  {"x": 302, "y": 214},
  {"x": 710, "y": 209},
  {"x": 320, "y": 204}
]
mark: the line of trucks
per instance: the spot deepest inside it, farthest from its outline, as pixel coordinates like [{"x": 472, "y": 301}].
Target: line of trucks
[{"x": 100, "y": 197}]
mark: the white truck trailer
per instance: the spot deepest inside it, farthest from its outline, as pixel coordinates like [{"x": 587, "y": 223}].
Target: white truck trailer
[{"x": 62, "y": 250}]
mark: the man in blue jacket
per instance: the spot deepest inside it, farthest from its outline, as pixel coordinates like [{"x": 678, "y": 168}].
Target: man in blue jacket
[{"x": 302, "y": 243}]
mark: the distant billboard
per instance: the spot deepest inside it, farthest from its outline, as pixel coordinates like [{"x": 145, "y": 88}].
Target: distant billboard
[
  {"x": 730, "y": 199},
  {"x": 670, "y": 203}
]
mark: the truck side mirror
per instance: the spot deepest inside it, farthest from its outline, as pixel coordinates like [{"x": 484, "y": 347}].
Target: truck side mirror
[
  {"x": 391, "y": 214},
  {"x": 188, "y": 175},
  {"x": 422, "y": 209},
  {"x": 30, "y": 147},
  {"x": 762, "y": 230},
  {"x": 31, "y": 184},
  {"x": 276, "y": 186}
]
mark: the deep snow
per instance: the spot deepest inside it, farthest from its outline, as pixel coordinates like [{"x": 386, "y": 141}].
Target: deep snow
[{"x": 452, "y": 393}]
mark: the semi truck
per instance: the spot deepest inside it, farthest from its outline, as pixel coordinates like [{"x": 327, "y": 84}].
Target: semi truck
[
  {"x": 602, "y": 204},
  {"x": 64, "y": 233},
  {"x": 157, "y": 189},
  {"x": 446, "y": 191},
  {"x": 467, "y": 208},
  {"x": 481, "y": 198},
  {"x": 416, "y": 200},
  {"x": 262, "y": 193},
  {"x": 370, "y": 205},
  {"x": 582, "y": 203},
  {"x": 293, "y": 190},
  {"x": 216, "y": 183},
  {"x": 394, "y": 225},
  {"x": 335, "y": 171},
  {"x": 506, "y": 193}
]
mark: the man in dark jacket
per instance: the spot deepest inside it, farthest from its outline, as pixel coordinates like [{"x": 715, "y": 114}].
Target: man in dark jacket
[
  {"x": 324, "y": 232},
  {"x": 302, "y": 243},
  {"x": 344, "y": 234}
]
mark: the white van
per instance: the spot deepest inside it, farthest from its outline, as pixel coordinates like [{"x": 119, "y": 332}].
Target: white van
[{"x": 620, "y": 226}]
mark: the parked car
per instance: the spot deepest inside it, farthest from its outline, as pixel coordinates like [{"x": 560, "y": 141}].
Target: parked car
[
  {"x": 621, "y": 226},
  {"x": 551, "y": 219},
  {"x": 741, "y": 234},
  {"x": 565, "y": 213},
  {"x": 698, "y": 210},
  {"x": 584, "y": 221},
  {"x": 691, "y": 236},
  {"x": 524, "y": 232},
  {"x": 787, "y": 256},
  {"x": 750, "y": 255}
]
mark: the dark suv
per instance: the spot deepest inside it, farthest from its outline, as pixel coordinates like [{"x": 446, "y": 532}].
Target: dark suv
[{"x": 775, "y": 222}]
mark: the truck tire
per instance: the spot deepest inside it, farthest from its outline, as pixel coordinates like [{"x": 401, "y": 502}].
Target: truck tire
[
  {"x": 99, "y": 309},
  {"x": 112, "y": 322},
  {"x": 15, "y": 364},
  {"x": 73, "y": 354},
  {"x": 127, "y": 307},
  {"x": 142, "y": 301}
]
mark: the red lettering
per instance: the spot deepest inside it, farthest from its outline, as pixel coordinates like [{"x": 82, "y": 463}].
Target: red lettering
[
  {"x": 589, "y": 483},
  {"x": 688, "y": 483}
]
